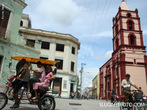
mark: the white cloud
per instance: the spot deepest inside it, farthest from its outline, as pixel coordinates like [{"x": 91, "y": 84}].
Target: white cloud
[
  {"x": 103, "y": 34},
  {"x": 105, "y": 57},
  {"x": 63, "y": 12},
  {"x": 145, "y": 32},
  {"x": 85, "y": 51}
]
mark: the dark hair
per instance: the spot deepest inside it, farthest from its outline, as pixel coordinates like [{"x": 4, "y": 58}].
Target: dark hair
[
  {"x": 127, "y": 75},
  {"x": 48, "y": 68},
  {"x": 23, "y": 60},
  {"x": 39, "y": 63}
]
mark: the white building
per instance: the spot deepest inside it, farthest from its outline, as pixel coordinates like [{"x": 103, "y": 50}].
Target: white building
[{"x": 54, "y": 46}]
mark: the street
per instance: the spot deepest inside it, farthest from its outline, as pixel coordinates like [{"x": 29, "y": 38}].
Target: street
[{"x": 66, "y": 104}]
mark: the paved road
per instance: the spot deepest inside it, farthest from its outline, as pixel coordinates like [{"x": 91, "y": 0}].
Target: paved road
[{"x": 64, "y": 104}]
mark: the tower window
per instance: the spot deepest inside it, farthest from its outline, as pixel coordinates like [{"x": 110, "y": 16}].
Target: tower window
[
  {"x": 130, "y": 25},
  {"x": 117, "y": 43},
  {"x": 129, "y": 15},
  {"x": 132, "y": 40},
  {"x": 116, "y": 29}
]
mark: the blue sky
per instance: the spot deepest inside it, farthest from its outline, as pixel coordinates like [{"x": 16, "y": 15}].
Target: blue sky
[{"x": 88, "y": 20}]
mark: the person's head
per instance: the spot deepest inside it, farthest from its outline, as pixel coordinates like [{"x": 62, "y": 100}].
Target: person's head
[
  {"x": 113, "y": 90},
  {"x": 139, "y": 88},
  {"x": 22, "y": 61},
  {"x": 39, "y": 64},
  {"x": 127, "y": 77},
  {"x": 48, "y": 69}
]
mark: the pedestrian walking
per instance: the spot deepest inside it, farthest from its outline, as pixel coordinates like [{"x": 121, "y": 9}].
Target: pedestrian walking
[{"x": 60, "y": 93}]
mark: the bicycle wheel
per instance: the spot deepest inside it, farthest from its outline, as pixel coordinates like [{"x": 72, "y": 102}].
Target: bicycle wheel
[
  {"x": 3, "y": 100},
  {"x": 47, "y": 103},
  {"x": 121, "y": 107},
  {"x": 6, "y": 90}
]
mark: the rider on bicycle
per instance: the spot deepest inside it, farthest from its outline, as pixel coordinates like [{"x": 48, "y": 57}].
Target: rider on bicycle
[
  {"x": 126, "y": 87},
  {"x": 22, "y": 79}
]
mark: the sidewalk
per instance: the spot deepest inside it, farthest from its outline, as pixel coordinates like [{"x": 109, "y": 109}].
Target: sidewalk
[{"x": 2, "y": 87}]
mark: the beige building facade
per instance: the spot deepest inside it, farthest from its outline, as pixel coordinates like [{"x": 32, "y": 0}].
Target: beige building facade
[
  {"x": 95, "y": 87},
  {"x": 54, "y": 46}
]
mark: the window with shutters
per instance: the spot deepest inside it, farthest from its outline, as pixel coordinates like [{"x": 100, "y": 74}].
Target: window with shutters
[
  {"x": 30, "y": 43},
  {"x": 4, "y": 19}
]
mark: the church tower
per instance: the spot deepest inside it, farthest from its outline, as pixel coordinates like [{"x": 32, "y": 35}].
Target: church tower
[{"x": 129, "y": 53}]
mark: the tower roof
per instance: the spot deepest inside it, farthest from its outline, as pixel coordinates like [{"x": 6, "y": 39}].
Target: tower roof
[{"x": 124, "y": 6}]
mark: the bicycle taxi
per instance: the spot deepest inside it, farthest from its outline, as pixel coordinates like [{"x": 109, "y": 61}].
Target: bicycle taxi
[{"x": 45, "y": 101}]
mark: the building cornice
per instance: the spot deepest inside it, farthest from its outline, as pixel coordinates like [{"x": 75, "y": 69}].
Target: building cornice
[
  {"x": 7, "y": 6},
  {"x": 49, "y": 34},
  {"x": 20, "y": 3},
  {"x": 106, "y": 63}
]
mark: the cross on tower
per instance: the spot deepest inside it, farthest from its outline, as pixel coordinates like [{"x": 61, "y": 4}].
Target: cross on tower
[{"x": 123, "y": 0}]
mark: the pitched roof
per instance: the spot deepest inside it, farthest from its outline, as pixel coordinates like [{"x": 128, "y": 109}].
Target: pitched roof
[{"x": 124, "y": 6}]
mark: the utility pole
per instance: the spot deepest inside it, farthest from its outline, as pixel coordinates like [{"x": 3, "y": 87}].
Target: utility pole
[{"x": 81, "y": 71}]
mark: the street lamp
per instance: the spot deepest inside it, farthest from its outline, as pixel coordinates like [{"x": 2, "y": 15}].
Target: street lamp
[
  {"x": 81, "y": 71},
  {"x": 83, "y": 79}
]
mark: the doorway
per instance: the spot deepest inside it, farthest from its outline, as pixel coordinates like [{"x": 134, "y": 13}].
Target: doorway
[
  {"x": 57, "y": 85},
  {"x": 72, "y": 87}
]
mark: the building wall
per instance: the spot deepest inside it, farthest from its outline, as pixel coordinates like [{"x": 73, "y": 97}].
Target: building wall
[
  {"x": 12, "y": 45},
  {"x": 66, "y": 75},
  {"x": 95, "y": 87}
]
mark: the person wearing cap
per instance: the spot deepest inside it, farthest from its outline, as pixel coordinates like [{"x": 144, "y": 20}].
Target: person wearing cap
[
  {"x": 113, "y": 95},
  {"x": 126, "y": 86}
]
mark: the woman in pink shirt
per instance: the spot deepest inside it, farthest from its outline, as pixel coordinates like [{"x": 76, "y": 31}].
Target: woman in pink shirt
[{"x": 45, "y": 82}]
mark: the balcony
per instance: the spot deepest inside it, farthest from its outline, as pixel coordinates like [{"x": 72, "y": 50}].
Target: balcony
[{"x": 4, "y": 35}]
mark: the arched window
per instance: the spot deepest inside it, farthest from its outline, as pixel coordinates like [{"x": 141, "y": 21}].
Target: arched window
[
  {"x": 117, "y": 43},
  {"x": 132, "y": 42},
  {"x": 129, "y": 15},
  {"x": 130, "y": 25},
  {"x": 21, "y": 23},
  {"x": 116, "y": 29}
]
